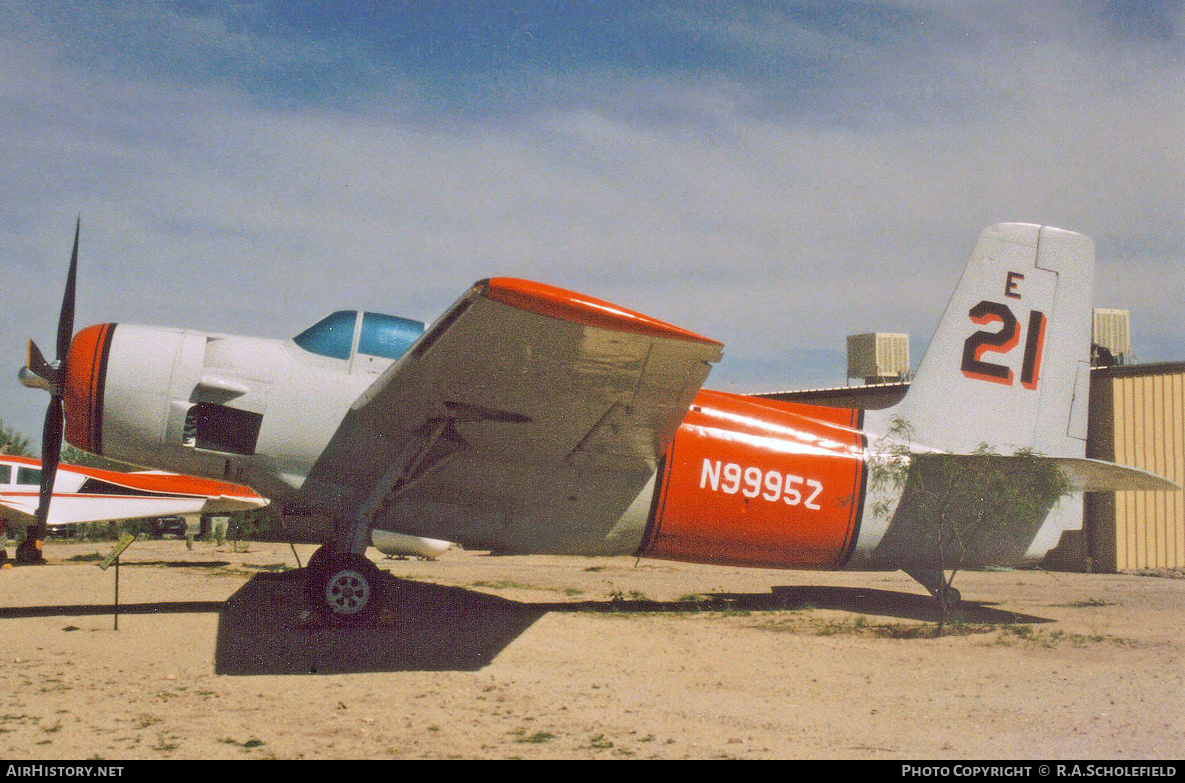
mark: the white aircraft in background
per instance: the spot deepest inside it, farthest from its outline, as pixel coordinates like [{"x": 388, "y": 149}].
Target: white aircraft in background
[
  {"x": 84, "y": 494},
  {"x": 530, "y": 419}
]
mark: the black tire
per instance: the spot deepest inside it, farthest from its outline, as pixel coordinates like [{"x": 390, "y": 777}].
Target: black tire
[
  {"x": 28, "y": 553},
  {"x": 315, "y": 572},
  {"x": 349, "y": 588},
  {"x": 319, "y": 558}
]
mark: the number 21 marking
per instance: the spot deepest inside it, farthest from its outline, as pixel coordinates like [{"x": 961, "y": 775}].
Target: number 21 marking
[{"x": 1002, "y": 342}]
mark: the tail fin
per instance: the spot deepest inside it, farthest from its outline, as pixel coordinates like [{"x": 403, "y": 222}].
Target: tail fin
[
  {"x": 1002, "y": 395},
  {"x": 1009, "y": 365}
]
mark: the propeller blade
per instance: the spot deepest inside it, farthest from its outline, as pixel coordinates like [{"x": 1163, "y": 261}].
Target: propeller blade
[
  {"x": 42, "y": 374},
  {"x": 51, "y": 454},
  {"x": 66, "y": 319},
  {"x": 37, "y": 372}
]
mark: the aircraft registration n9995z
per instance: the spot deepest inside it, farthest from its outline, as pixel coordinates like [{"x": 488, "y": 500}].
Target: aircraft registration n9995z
[{"x": 530, "y": 419}]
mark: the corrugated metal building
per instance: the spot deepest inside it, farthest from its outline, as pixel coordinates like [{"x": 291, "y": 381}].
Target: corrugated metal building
[{"x": 1137, "y": 418}]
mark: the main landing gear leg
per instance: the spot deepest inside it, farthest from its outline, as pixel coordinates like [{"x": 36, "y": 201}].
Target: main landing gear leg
[
  {"x": 939, "y": 587},
  {"x": 342, "y": 583}
]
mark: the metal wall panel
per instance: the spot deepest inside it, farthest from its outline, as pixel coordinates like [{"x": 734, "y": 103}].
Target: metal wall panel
[{"x": 1138, "y": 419}]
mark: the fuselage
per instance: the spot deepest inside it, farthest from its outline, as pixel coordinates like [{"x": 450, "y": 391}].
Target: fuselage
[{"x": 746, "y": 481}]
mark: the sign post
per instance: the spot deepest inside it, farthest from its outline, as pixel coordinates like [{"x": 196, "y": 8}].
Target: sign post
[{"x": 125, "y": 540}]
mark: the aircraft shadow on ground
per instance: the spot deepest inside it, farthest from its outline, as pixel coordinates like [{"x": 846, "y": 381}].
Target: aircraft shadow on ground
[
  {"x": 432, "y": 627},
  {"x": 86, "y": 610},
  {"x": 429, "y": 627},
  {"x": 426, "y": 628}
]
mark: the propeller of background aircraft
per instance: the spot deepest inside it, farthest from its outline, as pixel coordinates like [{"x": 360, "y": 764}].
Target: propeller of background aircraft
[{"x": 41, "y": 374}]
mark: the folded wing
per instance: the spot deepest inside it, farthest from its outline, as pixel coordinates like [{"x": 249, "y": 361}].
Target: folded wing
[{"x": 527, "y": 418}]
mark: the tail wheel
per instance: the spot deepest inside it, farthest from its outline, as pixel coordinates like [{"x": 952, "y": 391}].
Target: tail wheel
[{"x": 350, "y": 587}]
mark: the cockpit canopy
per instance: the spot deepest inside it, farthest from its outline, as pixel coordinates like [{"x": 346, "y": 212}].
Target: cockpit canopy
[{"x": 373, "y": 334}]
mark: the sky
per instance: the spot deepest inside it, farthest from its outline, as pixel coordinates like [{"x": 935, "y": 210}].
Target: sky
[{"x": 775, "y": 175}]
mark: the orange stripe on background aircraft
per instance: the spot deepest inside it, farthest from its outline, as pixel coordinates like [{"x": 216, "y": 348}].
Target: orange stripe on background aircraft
[
  {"x": 84, "y": 495},
  {"x": 529, "y": 419}
]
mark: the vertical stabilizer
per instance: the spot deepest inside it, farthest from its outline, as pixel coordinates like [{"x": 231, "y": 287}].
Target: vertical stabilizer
[{"x": 1009, "y": 365}]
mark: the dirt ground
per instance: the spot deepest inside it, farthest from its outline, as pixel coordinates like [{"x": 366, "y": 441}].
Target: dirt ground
[{"x": 547, "y": 657}]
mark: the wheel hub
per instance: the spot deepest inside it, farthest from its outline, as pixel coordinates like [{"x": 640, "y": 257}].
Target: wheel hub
[{"x": 347, "y": 592}]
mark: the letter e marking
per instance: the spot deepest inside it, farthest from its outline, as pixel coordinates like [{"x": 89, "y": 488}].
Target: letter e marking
[{"x": 1013, "y": 282}]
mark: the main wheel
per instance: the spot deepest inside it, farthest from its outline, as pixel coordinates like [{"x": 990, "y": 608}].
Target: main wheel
[
  {"x": 350, "y": 587},
  {"x": 29, "y": 553}
]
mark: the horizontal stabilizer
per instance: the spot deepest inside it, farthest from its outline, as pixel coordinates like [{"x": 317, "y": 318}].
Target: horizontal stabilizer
[
  {"x": 1093, "y": 475},
  {"x": 985, "y": 508},
  {"x": 1081, "y": 473}
]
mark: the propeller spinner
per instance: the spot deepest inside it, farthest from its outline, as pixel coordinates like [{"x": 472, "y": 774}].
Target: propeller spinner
[{"x": 41, "y": 374}]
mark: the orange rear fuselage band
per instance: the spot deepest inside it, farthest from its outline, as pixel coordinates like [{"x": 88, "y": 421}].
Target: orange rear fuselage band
[{"x": 751, "y": 482}]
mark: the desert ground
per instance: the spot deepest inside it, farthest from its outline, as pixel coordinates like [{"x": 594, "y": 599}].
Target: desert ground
[{"x": 477, "y": 656}]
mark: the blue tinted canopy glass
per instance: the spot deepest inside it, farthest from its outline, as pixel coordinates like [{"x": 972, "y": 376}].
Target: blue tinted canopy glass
[
  {"x": 332, "y": 336},
  {"x": 387, "y": 336}
]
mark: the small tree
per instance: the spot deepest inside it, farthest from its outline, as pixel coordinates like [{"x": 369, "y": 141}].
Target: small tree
[
  {"x": 961, "y": 510},
  {"x": 12, "y": 442}
]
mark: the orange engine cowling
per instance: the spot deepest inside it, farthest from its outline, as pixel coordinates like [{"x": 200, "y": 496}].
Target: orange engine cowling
[
  {"x": 121, "y": 381},
  {"x": 760, "y": 483},
  {"x": 82, "y": 393}
]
